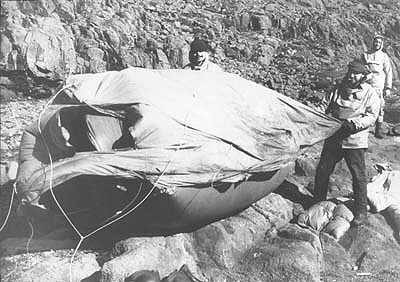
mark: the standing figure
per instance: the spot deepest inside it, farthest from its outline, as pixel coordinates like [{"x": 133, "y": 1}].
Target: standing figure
[
  {"x": 199, "y": 57},
  {"x": 380, "y": 77},
  {"x": 357, "y": 104}
]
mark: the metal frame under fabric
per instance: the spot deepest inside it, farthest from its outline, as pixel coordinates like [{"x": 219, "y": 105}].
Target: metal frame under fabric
[{"x": 187, "y": 130}]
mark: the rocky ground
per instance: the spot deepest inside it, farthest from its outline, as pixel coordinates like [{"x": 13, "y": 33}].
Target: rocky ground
[{"x": 298, "y": 47}]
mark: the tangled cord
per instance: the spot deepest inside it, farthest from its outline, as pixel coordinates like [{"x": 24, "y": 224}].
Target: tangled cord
[
  {"x": 123, "y": 213},
  {"x": 13, "y": 193},
  {"x": 14, "y": 186},
  {"x": 111, "y": 220}
]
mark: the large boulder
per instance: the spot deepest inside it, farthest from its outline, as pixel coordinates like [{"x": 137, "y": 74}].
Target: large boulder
[
  {"x": 39, "y": 45},
  {"x": 294, "y": 254},
  {"x": 207, "y": 251},
  {"x": 373, "y": 247},
  {"x": 259, "y": 244},
  {"x": 222, "y": 244},
  {"x": 210, "y": 253},
  {"x": 49, "y": 50},
  {"x": 164, "y": 254}
]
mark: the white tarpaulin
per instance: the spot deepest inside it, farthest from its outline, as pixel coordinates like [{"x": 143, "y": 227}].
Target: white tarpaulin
[{"x": 179, "y": 127}]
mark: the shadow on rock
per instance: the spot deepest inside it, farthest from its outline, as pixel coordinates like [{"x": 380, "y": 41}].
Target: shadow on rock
[
  {"x": 293, "y": 255},
  {"x": 373, "y": 248},
  {"x": 293, "y": 193}
]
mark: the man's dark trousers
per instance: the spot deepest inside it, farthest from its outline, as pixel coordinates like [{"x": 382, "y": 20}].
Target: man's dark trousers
[{"x": 332, "y": 153}]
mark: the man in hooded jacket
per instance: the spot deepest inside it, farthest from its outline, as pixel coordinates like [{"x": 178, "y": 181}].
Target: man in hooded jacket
[
  {"x": 380, "y": 77},
  {"x": 357, "y": 104},
  {"x": 199, "y": 57}
]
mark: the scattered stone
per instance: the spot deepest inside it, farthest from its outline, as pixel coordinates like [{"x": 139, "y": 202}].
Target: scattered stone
[
  {"x": 3, "y": 146},
  {"x": 306, "y": 166},
  {"x": 395, "y": 130},
  {"x": 7, "y": 94},
  {"x": 48, "y": 266}
]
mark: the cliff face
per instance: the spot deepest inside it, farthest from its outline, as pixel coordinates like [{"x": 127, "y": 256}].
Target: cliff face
[{"x": 298, "y": 47}]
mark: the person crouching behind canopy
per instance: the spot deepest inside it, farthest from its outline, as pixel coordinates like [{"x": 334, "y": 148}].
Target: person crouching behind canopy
[
  {"x": 357, "y": 104},
  {"x": 199, "y": 57}
]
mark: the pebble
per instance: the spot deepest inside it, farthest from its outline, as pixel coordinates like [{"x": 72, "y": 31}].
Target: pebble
[{"x": 3, "y": 145}]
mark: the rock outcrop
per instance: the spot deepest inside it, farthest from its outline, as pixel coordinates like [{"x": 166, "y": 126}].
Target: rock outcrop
[
  {"x": 296, "y": 47},
  {"x": 259, "y": 244},
  {"x": 209, "y": 252}
]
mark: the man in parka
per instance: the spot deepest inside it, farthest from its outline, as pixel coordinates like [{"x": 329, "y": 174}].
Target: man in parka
[
  {"x": 199, "y": 57},
  {"x": 357, "y": 104},
  {"x": 380, "y": 77}
]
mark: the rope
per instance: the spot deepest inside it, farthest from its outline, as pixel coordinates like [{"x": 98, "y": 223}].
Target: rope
[
  {"x": 134, "y": 208},
  {"x": 73, "y": 256},
  {"x": 120, "y": 215},
  {"x": 51, "y": 161},
  {"x": 9, "y": 207},
  {"x": 14, "y": 185},
  {"x": 14, "y": 191},
  {"x": 81, "y": 236},
  {"x": 30, "y": 237},
  {"x": 51, "y": 181}
]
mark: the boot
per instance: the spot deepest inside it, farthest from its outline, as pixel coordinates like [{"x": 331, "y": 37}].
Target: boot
[{"x": 379, "y": 130}]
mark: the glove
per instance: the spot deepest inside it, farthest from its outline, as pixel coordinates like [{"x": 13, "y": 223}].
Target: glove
[
  {"x": 347, "y": 129},
  {"x": 349, "y": 126}
]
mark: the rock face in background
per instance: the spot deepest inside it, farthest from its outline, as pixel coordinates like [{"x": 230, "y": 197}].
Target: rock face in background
[{"x": 296, "y": 47}]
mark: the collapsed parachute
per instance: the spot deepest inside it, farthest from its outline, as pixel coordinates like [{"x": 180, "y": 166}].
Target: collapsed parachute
[{"x": 210, "y": 143}]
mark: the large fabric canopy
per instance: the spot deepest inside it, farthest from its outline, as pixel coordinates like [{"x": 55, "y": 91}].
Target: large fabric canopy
[{"x": 174, "y": 128}]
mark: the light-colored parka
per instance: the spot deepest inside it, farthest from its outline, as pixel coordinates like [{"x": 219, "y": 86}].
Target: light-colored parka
[
  {"x": 361, "y": 106},
  {"x": 381, "y": 69}
]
